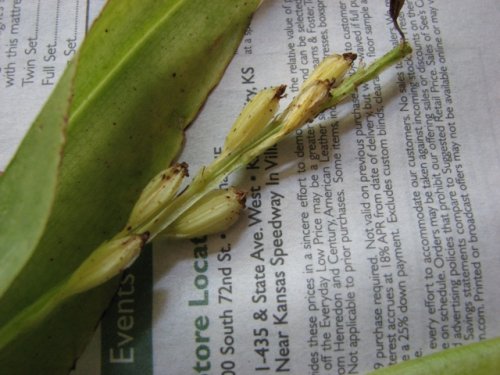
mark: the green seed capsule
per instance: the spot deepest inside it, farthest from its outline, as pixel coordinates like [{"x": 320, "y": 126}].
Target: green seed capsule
[
  {"x": 110, "y": 259},
  {"x": 159, "y": 191},
  {"x": 254, "y": 117},
  {"x": 315, "y": 91},
  {"x": 214, "y": 213},
  {"x": 333, "y": 68},
  {"x": 306, "y": 105}
]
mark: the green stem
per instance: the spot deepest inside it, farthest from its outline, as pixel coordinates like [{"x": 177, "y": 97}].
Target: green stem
[{"x": 364, "y": 75}]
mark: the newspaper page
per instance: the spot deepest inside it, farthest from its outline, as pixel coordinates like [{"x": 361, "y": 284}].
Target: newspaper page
[
  {"x": 370, "y": 235},
  {"x": 37, "y": 39}
]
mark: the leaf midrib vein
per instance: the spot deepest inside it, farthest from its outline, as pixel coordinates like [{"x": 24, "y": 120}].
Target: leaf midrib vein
[{"x": 126, "y": 57}]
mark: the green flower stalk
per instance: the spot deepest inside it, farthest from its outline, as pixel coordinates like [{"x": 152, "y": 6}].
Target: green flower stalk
[
  {"x": 248, "y": 138},
  {"x": 367, "y": 73},
  {"x": 190, "y": 211}
]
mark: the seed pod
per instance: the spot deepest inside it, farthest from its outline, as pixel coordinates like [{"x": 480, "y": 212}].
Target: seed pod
[
  {"x": 315, "y": 91},
  {"x": 332, "y": 68},
  {"x": 306, "y": 105},
  {"x": 254, "y": 118},
  {"x": 110, "y": 259},
  {"x": 214, "y": 213},
  {"x": 162, "y": 188}
]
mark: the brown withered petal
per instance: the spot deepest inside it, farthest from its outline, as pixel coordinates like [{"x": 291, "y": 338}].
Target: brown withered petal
[{"x": 394, "y": 9}]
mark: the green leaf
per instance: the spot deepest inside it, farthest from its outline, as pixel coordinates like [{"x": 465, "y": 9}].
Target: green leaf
[
  {"x": 143, "y": 73},
  {"x": 481, "y": 358},
  {"x": 26, "y": 198}
]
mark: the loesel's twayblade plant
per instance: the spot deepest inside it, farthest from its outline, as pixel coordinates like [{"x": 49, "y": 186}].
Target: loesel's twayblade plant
[{"x": 83, "y": 194}]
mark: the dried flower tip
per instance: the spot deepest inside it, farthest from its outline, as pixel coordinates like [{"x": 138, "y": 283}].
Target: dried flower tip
[
  {"x": 107, "y": 261},
  {"x": 333, "y": 68},
  {"x": 214, "y": 213},
  {"x": 161, "y": 189},
  {"x": 254, "y": 118}
]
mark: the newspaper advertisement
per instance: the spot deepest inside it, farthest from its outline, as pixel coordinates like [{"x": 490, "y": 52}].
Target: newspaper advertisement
[{"x": 369, "y": 236}]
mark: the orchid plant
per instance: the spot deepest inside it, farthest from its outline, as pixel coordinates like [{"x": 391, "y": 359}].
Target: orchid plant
[{"x": 93, "y": 180}]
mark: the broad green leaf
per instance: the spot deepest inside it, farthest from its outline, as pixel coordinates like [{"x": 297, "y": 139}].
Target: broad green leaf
[
  {"x": 143, "y": 73},
  {"x": 26, "y": 198},
  {"x": 481, "y": 358}
]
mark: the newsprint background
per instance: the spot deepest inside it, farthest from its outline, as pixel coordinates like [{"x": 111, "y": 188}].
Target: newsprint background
[{"x": 370, "y": 235}]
